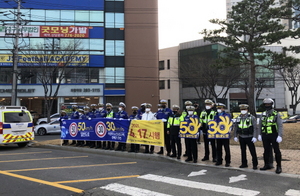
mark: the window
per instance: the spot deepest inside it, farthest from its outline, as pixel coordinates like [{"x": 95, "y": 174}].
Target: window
[
  {"x": 114, "y": 47},
  {"x": 161, "y": 65},
  {"x": 169, "y": 84},
  {"x": 114, "y": 75},
  {"x": 168, "y": 64},
  {"x": 161, "y": 84},
  {"x": 68, "y": 16},
  {"x": 5, "y": 75},
  {"x": 114, "y": 20}
]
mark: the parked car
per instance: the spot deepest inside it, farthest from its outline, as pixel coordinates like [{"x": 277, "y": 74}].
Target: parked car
[
  {"x": 53, "y": 117},
  {"x": 43, "y": 129},
  {"x": 292, "y": 119}
]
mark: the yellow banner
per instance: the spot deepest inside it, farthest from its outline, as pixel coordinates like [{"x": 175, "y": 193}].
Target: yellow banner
[{"x": 146, "y": 132}]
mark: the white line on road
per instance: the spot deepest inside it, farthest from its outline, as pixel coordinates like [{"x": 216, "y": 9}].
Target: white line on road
[
  {"x": 128, "y": 190},
  {"x": 200, "y": 185},
  {"x": 293, "y": 192}
]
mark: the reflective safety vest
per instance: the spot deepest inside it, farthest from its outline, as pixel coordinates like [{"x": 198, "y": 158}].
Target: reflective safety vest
[
  {"x": 245, "y": 126},
  {"x": 173, "y": 121},
  {"x": 110, "y": 114},
  {"x": 204, "y": 118},
  {"x": 269, "y": 123}
]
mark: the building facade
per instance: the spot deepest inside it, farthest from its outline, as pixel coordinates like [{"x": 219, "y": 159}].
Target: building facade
[{"x": 118, "y": 40}]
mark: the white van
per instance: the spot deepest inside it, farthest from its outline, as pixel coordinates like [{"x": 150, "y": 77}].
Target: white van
[{"x": 16, "y": 125}]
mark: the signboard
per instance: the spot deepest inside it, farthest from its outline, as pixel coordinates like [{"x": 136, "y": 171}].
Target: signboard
[
  {"x": 46, "y": 31},
  {"x": 219, "y": 130},
  {"x": 190, "y": 128},
  {"x": 46, "y": 59}
]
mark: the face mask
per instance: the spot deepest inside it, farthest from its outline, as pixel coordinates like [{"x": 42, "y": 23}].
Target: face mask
[
  {"x": 268, "y": 107},
  {"x": 120, "y": 109},
  {"x": 100, "y": 108},
  {"x": 174, "y": 112},
  {"x": 244, "y": 111},
  {"x": 108, "y": 109},
  {"x": 163, "y": 106},
  {"x": 135, "y": 112},
  {"x": 208, "y": 107},
  {"x": 190, "y": 112},
  {"x": 219, "y": 110},
  {"x": 147, "y": 109},
  {"x": 195, "y": 106}
]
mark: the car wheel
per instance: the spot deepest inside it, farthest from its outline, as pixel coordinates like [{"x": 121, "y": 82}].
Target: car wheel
[
  {"x": 42, "y": 131},
  {"x": 22, "y": 145}
]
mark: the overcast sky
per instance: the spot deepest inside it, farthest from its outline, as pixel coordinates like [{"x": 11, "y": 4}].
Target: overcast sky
[{"x": 181, "y": 21}]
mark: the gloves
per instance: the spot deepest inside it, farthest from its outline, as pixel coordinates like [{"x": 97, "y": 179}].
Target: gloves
[
  {"x": 120, "y": 118},
  {"x": 279, "y": 139},
  {"x": 253, "y": 140},
  {"x": 259, "y": 138},
  {"x": 89, "y": 118},
  {"x": 235, "y": 139},
  {"x": 164, "y": 120}
]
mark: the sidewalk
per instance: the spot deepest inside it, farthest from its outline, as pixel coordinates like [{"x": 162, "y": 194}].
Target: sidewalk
[{"x": 290, "y": 158}]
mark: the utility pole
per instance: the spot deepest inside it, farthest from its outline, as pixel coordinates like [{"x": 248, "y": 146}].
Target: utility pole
[{"x": 15, "y": 57}]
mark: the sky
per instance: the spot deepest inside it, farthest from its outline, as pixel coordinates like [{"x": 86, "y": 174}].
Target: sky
[{"x": 181, "y": 21}]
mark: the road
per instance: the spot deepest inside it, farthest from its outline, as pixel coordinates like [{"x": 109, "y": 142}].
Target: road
[{"x": 44, "y": 171}]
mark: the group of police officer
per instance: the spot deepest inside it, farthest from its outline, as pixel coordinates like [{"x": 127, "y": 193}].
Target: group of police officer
[{"x": 246, "y": 131}]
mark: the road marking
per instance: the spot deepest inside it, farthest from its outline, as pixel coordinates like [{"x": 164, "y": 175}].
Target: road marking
[
  {"x": 26, "y": 153},
  {"x": 43, "y": 182},
  {"x": 128, "y": 190},
  {"x": 70, "y": 167},
  {"x": 293, "y": 192},
  {"x": 200, "y": 185},
  {"x": 237, "y": 178},
  {"x": 42, "y": 159},
  {"x": 97, "y": 179},
  {"x": 198, "y": 173}
]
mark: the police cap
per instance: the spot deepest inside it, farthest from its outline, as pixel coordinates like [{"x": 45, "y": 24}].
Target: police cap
[{"x": 244, "y": 106}]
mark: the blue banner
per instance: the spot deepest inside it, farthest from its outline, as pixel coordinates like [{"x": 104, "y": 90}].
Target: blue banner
[{"x": 95, "y": 130}]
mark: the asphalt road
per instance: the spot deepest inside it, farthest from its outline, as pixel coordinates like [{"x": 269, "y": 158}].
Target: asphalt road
[{"x": 77, "y": 171}]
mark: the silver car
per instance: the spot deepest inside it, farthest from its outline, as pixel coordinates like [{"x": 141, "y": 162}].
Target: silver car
[{"x": 43, "y": 129}]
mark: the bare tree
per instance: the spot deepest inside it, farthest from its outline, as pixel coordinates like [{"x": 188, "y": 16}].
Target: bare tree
[{"x": 50, "y": 64}]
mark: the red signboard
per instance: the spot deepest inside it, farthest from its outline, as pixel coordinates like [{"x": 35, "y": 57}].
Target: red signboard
[{"x": 64, "y": 31}]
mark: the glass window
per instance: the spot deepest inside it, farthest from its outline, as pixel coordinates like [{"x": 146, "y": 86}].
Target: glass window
[
  {"x": 161, "y": 65},
  {"x": 97, "y": 44},
  {"x": 119, "y": 48},
  {"x": 109, "y": 47},
  {"x": 36, "y": 43},
  {"x": 82, "y": 17},
  {"x": 5, "y": 75},
  {"x": 109, "y": 75},
  {"x": 52, "y": 15},
  {"x": 120, "y": 72},
  {"x": 6, "y": 43},
  {"x": 169, "y": 84},
  {"x": 161, "y": 84},
  {"x": 68, "y": 16},
  {"x": 168, "y": 63},
  {"x": 96, "y": 16},
  {"x": 119, "y": 20},
  {"x": 109, "y": 20},
  {"x": 38, "y": 15}
]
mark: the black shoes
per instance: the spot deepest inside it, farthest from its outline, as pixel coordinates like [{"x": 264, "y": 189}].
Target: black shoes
[
  {"x": 278, "y": 170},
  {"x": 195, "y": 161},
  {"x": 146, "y": 151},
  {"x": 160, "y": 152},
  {"x": 266, "y": 167},
  {"x": 178, "y": 157},
  {"x": 185, "y": 155},
  {"x": 187, "y": 160},
  {"x": 243, "y": 166},
  {"x": 205, "y": 159},
  {"x": 227, "y": 164},
  {"x": 214, "y": 160},
  {"x": 173, "y": 155},
  {"x": 254, "y": 167},
  {"x": 218, "y": 163}
]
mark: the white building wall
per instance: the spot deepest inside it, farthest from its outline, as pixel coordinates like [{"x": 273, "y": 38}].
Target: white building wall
[{"x": 171, "y": 74}]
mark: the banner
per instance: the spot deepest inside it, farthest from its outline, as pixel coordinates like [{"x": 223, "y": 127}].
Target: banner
[
  {"x": 146, "y": 132},
  {"x": 221, "y": 130},
  {"x": 190, "y": 128},
  {"x": 95, "y": 130}
]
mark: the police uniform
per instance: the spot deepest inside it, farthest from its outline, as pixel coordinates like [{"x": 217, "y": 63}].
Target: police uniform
[
  {"x": 245, "y": 131},
  {"x": 74, "y": 115},
  {"x": 191, "y": 143},
  {"x": 173, "y": 128},
  {"x": 134, "y": 116},
  {"x": 110, "y": 114},
  {"x": 93, "y": 114},
  {"x": 222, "y": 142},
  {"x": 164, "y": 114},
  {"x": 208, "y": 115},
  {"x": 270, "y": 128},
  {"x": 121, "y": 114},
  {"x": 83, "y": 117}
]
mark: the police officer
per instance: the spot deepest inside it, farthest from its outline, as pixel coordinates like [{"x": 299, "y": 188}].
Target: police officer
[
  {"x": 74, "y": 115},
  {"x": 121, "y": 114},
  {"x": 222, "y": 141},
  {"x": 141, "y": 111},
  {"x": 93, "y": 114},
  {"x": 63, "y": 116},
  {"x": 83, "y": 117},
  {"x": 245, "y": 131},
  {"x": 270, "y": 132},
  {"x": 198, "y": 111},
  {"x": 110, "y": 114},
  {"x": 134, "y": 116},
  {"x": 87, "y": 115},
  {"x": 101, "y": 114},
  {"x": 191, "y": 143},
  {"x": 207, "y": 115},
  {"x": 148, "y": 115},
  {"x": 165, "y": 113},
  {"x": 173, "y": 129}
]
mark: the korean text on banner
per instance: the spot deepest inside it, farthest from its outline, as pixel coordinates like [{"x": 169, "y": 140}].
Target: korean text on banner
[
  {"x": 221, "y": 130},
  {"x": 146, "y": 132},
  {"x": 190, "y": 128}
]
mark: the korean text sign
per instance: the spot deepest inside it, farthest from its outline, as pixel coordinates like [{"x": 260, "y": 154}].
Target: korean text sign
[{"x": 220, "y": 130}]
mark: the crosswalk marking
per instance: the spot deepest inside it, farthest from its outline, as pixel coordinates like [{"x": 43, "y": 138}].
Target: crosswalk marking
[
  {"x": 128, "y": 190},
  {"x": 293, "y": 192},
  {"x": 200, "y": 185}
]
